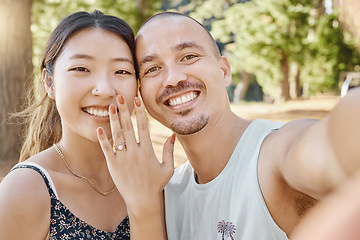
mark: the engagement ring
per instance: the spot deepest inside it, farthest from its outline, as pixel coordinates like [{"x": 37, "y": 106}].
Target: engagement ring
[{"x": 119, "y": 147}]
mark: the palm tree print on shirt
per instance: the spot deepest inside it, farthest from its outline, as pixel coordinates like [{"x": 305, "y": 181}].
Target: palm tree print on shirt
[{"x": 227, "y": 229}]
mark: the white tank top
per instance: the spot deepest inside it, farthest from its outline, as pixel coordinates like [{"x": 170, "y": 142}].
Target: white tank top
[{"x": 229, "y": 207}]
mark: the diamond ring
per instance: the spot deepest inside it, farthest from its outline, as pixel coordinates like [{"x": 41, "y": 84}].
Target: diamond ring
[{"x": 119, "y": 147}]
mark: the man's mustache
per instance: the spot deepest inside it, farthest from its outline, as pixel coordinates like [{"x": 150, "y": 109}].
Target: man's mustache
[{"x": 180, "y": 87}]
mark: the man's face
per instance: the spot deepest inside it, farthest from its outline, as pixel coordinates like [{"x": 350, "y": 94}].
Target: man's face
[{"x": 182, "y": 79}]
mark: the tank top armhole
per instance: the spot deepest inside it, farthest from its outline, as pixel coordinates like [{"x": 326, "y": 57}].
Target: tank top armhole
[{"x": 47, "y": 179}]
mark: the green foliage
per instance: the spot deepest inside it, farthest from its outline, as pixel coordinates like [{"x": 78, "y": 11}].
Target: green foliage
[
  {"x": 259, "y": 33},
  {"x": 330, "y": 52},
  {"x": 256, "y": 34},
  {"x": 263, "y": 32}
]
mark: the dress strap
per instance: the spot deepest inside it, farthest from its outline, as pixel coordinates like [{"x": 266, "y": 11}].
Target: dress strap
[{"x": 46, "y": 176}]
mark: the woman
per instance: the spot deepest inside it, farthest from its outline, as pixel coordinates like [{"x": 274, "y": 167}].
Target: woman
[{"x": 64, "y": 189}]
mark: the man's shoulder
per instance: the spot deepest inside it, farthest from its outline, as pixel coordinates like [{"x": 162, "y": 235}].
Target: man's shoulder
[{"x": 182, "y": 174}]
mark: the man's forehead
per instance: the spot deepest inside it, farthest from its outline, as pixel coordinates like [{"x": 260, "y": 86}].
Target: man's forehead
[
  {"x": 172, "y": 32},
  {"x": 167, "y": 24}
]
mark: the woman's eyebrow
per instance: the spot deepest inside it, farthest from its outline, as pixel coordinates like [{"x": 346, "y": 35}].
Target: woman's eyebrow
[
  {"x": 86, "y": 56},
  {"x": 122, "y": 59},
  {"x": 81, "y": 56}
]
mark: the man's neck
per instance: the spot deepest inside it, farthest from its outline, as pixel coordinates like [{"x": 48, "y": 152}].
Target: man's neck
[{"x": 210, "y": 149}]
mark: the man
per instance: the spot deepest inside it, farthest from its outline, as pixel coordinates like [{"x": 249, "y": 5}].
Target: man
[{"x": 243, "y": 180}]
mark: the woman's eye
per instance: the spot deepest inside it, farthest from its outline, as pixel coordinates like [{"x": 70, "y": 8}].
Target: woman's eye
[
  {"x": 80, "y": 69},
  {"x": 122, "y": 72}
]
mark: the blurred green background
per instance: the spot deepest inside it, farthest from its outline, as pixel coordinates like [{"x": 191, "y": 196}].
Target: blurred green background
[{"x": 279, "y": 50}]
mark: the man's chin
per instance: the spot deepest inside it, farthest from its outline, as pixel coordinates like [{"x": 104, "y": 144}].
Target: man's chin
[{"x": 190, "y": 127}]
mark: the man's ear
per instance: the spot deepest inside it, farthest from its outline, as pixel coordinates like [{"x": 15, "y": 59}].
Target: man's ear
[
  {"x": 225, "y": 68},
  {"x": 48, "y": 84}
]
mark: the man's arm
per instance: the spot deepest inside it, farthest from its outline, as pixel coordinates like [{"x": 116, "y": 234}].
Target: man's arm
[
  {"x": 337, "y": 216},
  {"x": 325, "y": 152}
]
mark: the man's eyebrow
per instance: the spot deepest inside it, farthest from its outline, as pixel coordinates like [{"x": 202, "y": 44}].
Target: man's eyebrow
[
  {"x": 188, "y": 44},
  {"x": 178, "y": 47},
  {"x": 147, "y": 58}
]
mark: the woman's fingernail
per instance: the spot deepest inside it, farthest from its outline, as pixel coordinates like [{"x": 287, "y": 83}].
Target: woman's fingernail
[
  {"x": 112, "y": 109},
  {"x": 172, "y": 140},
  {"x": 121, "y": 99},
  {"x": 100, "y": 131},
  {"x": 137, "y": 101}
]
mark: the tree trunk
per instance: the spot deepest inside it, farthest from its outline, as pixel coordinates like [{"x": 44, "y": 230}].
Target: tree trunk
[
  {"x": 284, "y": 83},
  {"x": 242, "y": 87},
  {"x": 321, "y": 7},
  {"x": 15, "y": 69},
  {"x": 142, "y": 5},
  {"x": 297, "y": 83}
]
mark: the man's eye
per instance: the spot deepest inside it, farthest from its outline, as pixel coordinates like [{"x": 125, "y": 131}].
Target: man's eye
[
  {"x": 188, "y": 57},
  {"x": 152, "y": 69}
]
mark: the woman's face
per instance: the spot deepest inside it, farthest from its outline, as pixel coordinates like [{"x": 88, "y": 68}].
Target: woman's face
[{"x": 93, "y": 68}]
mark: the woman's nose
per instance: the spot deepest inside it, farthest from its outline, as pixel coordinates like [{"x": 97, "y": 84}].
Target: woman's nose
[{"x": 104, "y": 88}]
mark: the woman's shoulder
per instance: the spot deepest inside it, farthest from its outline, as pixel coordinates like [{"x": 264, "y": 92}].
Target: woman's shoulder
[
  {"x": 26, "y": 185},
  {"x": 24, "y": 202}
]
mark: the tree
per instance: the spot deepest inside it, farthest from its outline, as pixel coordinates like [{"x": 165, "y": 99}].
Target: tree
[
  {"x": 271, "y": 39},
  {"x": 348, "y": 17},
  {"x": 15, "y": 69},
  {"x": 266, "y": 37},
  {"x": 331, "y": 51}
]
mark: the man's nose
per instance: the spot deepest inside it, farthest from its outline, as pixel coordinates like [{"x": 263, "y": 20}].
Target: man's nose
[{"x": 175, "y": 74}]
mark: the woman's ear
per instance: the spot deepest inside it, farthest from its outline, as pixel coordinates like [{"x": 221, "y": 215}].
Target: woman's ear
[
  {"x": 225, "y": 68},
  {"x": 48, "y": 84}
]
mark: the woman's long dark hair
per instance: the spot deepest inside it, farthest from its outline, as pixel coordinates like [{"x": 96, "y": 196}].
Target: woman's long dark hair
[{"x": 41, "y": 118}]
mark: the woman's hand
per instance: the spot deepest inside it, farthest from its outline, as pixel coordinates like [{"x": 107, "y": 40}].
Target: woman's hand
[{"x": 134, "y": 167}]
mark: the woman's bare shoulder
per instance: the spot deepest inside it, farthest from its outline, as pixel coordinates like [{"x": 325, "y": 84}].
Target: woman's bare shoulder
[{"x": 24, "y": 205}]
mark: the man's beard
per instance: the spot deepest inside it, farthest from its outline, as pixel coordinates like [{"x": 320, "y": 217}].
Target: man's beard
[{"x": 188, "y": 127}]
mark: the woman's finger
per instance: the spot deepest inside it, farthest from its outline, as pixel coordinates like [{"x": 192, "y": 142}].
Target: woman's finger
[
  {"x": 105, "y": 144},
  {"x": 168, "y": 154},
  {"x": 125, "y": 120},
  {"x": 142, "y": 123},
  {"x": 117, "y": 136}
]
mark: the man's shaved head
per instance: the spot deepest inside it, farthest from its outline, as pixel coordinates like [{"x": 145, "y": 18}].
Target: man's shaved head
[{"x": 180, "y": 15}]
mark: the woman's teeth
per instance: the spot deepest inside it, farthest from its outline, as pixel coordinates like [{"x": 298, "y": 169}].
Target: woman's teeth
[
  {"x": 97, "y": 112},
  {"x": 182, "y": 99}
]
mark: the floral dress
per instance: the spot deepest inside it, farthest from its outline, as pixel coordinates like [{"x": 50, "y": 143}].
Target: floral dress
[{"x": 65, "y": 225}]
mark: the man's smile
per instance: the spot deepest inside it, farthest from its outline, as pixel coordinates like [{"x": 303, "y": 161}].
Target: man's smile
[{"x": 182, "y": 99}]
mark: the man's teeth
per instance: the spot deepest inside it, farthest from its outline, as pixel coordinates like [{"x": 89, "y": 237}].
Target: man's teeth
[
  {"x": 183, "y": 99},
  {"x": 97, "y": 112}
]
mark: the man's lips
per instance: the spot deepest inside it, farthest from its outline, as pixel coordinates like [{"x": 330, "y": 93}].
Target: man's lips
[
  {"x": 181, "y": 93},
  {"x": 182, "y": 99}
]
